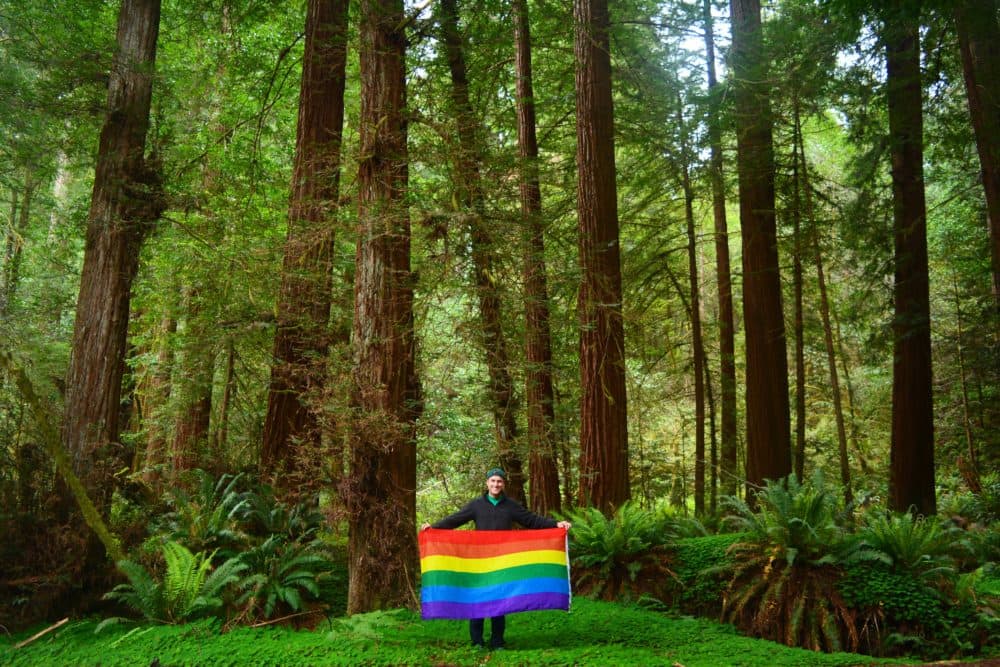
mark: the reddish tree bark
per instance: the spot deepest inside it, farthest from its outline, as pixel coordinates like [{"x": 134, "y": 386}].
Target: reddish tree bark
[
  {"x": 302, "y": 337},
  {"x": 503, "y": 402},
  {"x": 604, "y": 465},
  {"x": 694, "y": 314},
  {"x": 124, "y": 204},
  {"x": 727, "y": 346},
  {"x": 911, "y": 471},
  {"x": 768, "y": 433},
  {"x": 542, "y": 464},
  {"x": 380, "y": 492},
  {"x": 979, "y": 40},
  {"x": 799, "y": 448},
  {"x": 192, "y": 389}
]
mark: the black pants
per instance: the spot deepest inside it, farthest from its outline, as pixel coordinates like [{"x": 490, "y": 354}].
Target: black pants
[{"x": 497, "y": 625}]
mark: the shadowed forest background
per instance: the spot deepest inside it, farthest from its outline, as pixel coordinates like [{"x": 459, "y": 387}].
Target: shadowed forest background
[{"x": 286, "y": 278}]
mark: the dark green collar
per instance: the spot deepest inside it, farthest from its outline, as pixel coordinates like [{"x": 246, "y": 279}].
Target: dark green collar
[{"x": 494, "y": 501}]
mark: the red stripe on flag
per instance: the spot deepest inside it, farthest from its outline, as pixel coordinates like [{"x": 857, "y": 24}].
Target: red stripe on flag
[{"x": 488, "y": 543}]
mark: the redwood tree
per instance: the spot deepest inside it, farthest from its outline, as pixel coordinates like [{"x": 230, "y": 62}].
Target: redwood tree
[
  {"x": 911, "y": 473},
  {"x": 542, "y": 468},
  {"x": 979, "y": 40},
  {"x": 302, "y": 336},
  {"x": 125, "y": 202},
  {"x": 380, "y": 491},
  {"x": 468, "y": 183},
  {"x": 604, "y": 466},
  {"x": 768, "y": 435},
  {"x": 723, "y": 272}
]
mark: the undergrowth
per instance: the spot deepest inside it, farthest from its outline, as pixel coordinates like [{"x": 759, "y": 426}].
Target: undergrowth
[{"x": 593, "y": 633}]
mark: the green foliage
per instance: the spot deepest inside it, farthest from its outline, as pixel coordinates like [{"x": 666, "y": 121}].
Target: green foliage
[
  {"x": 906, "y": 614},
  {"x": 782, "y": 573},
  {"x": 208, "y": 516},
  {"x": 594, "y": 634},
  {"x": 699, "y": 564},
  {"x": 608, "y": 554},
  {"x": 190, "y": 588},
  {"x": 919, "y": 546},
  {"x": 282, "y": 575}
]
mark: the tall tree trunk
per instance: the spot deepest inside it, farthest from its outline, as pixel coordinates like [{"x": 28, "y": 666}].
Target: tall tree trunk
[
  {"x": 852, "y": 437},
  {"x": 694, "y": 312},
  {"x": 14, "y": 251},
  {"x": 154, "y": 396},
  {"x": 503, "y": 401},
  {"x": 542, "y": 464},
  {"x": 301, "y": 341},
  {"x": 970, "y": 443},
  {"x": 824, "y": 311},
  {"x": 713, "y": 457},
  {"x": 768, "y": 433},
  {"x": 228, "y": 392},
  {"x": 192, "y": 389},
  {"x": 799, "y": 458},
  {"x": 125, "y": 202},
  {"x": 380, "y": 492},
  {"x": 728, "y": 469},
  {"x": 979, "y": 40},
  {"x": 604, "y": 466},
  {"x": 911, "y": 475}
]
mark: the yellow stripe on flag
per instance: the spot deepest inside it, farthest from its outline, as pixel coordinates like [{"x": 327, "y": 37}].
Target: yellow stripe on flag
[{"x": 480, "y": 565}]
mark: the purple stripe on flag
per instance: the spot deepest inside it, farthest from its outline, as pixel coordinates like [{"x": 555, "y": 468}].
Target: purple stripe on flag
[{"x": 462, "y": 610}]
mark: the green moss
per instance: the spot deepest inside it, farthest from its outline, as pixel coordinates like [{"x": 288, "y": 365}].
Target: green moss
[
  {"x": 594, "y": 633},
  {"x": 699, "y": 589}
]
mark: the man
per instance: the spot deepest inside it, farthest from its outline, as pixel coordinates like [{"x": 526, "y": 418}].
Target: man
[{"x": 494, "y": 511}]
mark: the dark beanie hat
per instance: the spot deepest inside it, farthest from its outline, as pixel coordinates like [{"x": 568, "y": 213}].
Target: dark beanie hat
[{"x": 496, "y": 471}]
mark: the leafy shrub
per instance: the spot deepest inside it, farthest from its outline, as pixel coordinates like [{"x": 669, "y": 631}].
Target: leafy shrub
[
  {"x": 282, "y": 575},
  {"x": 699, "y": 564},
  {"x": 263, "y": 515},
  {"x": 782, "y": 573},
  {"x": 189, "y": 587},
  {"x": 608, "y": 555},
  {"x": 922, "y": 547},
  {"x": 207, "y": 517}
]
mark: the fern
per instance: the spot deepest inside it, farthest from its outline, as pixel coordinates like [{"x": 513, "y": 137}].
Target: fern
[
  {"x": 189, "y": 588},
  {"x": 610, "y": 553},
  {"x": 920, "y": 546},
  {"x": 781, "y": 573}
]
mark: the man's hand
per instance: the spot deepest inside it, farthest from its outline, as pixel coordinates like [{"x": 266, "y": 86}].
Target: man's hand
[
  {"x": 564, "y": 524},
  {"x": 425, "y": 526}
]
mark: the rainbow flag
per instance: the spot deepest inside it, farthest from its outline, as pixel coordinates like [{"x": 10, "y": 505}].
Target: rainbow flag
[{"x": 485, "y": 573}]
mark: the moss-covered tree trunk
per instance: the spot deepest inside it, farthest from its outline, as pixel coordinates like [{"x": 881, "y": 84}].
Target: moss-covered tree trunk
[
  {"x": 302, "y": 337},
  {"x": 124, "y": 204}
]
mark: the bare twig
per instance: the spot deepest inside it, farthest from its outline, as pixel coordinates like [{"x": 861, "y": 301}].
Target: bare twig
[
  {"x": 285, "y": 618},
  {"x": 42, "y": 633}
]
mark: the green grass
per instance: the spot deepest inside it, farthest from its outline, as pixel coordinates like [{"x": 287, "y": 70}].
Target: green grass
[{"x": 594, "y": 633}]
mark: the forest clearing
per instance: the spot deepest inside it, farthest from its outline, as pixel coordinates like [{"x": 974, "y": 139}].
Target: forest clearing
[{"x": 711, "y": 289}]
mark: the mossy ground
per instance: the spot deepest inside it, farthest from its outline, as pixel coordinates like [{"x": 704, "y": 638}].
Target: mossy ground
[{"x": 594, "y": 633}]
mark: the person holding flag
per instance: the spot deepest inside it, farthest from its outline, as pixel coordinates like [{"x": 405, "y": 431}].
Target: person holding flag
[{"x": 494, "y": 511}]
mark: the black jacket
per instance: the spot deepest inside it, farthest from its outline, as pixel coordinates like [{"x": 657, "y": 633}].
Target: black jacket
[{"x": 499, "y": 517}]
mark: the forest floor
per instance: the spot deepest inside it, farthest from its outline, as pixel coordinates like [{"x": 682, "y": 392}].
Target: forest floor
[{"x": 593, "y": 633}]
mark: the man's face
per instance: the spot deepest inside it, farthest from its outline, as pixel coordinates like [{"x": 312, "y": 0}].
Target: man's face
[{"x": 494, "y": 485}]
